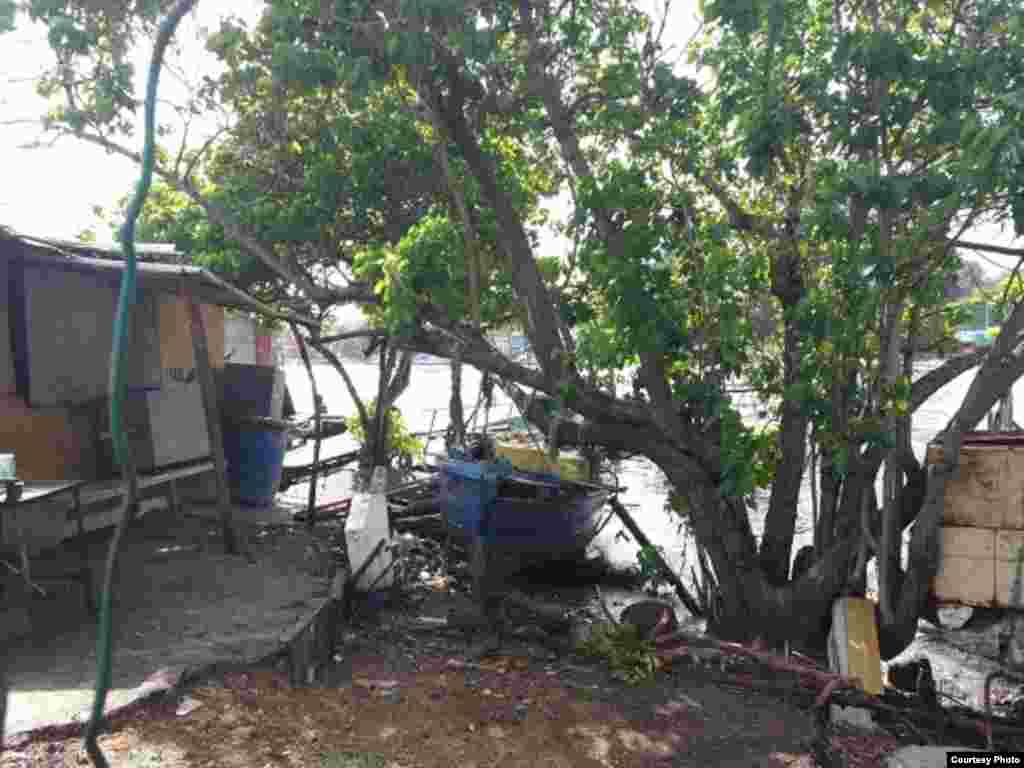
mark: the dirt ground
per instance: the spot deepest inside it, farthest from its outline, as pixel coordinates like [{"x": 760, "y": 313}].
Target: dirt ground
[
  {"x": 510, "y": 711},
  {"x": 405, "y": 694},
  {"x": 407, "y": 690}
]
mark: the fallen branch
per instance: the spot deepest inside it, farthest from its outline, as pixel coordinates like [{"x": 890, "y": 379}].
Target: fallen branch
[
  {"x": 820, "y": 679},
  {"x": 641, "y": 538}
]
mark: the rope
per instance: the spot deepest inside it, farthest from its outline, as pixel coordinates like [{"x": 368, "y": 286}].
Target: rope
[{"x": 117, "y": 381}]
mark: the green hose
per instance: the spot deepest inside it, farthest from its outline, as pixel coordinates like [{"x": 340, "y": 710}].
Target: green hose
[{"x": 117, "y": 383}]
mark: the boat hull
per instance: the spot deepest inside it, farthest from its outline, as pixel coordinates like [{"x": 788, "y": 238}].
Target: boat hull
[{"x": 527, "y": 516}]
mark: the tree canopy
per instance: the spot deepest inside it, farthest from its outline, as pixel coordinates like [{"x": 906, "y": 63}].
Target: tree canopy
[{"x": 785, "y": 215}]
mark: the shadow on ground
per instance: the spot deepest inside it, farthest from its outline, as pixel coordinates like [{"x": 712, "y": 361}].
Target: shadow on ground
[{"x": 180, "y": 605}]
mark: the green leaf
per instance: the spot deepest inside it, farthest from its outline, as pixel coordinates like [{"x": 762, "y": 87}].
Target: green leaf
[{"x": 8, "y": 12}]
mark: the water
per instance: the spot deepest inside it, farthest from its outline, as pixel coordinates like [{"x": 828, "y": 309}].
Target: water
[{"x": 424, "y": 405}]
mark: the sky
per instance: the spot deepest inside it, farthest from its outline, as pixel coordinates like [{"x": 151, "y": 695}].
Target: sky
[{"x": 54, "y": 190}]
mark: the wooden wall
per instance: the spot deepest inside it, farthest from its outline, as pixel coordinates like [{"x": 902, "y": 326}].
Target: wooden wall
[
  {"x": 70, "y": 324},
  {"x": 48, "y": 443},
  {"x": 176, "y": 336}
]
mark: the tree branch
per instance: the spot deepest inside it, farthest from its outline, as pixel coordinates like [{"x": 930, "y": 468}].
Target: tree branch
[
  {"x": 541, "y": 317},
  {"x": 237, "y": 232},
  {"x": 926, "y": 386},
  {"x": 1001, "y": 249},
  {"x": 652, "y": 373},
  {"x": 365, "y": 333},
  {"x": 617, "y": 436},
  {"x": 740, "y": 219},
  {"x": 477, "y": 351},
  {"x": 349, "y": 385}
]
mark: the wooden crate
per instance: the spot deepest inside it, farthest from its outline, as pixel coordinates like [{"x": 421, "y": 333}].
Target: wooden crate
[
  {"x": 987, "y": 489},
  {"x": 967, "y": 567}
]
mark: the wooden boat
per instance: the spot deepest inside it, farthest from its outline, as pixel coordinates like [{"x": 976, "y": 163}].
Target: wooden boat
[{"x": 526, "y": 515}]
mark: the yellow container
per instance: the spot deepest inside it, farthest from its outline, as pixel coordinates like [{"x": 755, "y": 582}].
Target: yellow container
[{"x": 531, "y": 459}]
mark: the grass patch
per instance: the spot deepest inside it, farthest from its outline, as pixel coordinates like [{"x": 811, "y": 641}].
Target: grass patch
[{"x": 353, "y": 760}]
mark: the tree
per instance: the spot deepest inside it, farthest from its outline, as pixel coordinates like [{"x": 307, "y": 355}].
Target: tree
[{"x": 825, "y": 173}]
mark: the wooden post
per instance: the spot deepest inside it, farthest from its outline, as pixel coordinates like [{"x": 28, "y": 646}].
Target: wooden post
[
  {"x": 301, "y": 343},
  {"x": 208, "y": 388},
  {"x": 3, "y": 693}
]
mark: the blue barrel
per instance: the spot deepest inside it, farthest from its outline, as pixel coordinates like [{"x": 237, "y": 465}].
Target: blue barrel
[{"x": 254, "y": 450}]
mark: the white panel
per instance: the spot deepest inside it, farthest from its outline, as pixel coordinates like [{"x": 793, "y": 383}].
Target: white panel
[
  {"x": 240, "y": 340},
  {"x": 178, "y": 424}
]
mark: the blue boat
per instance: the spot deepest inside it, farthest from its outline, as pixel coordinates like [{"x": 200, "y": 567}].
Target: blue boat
[{"x": 527, "y": 516}]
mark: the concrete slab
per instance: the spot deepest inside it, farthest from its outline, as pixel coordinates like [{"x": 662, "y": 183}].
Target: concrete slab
[{"x": 179, "y": 606}]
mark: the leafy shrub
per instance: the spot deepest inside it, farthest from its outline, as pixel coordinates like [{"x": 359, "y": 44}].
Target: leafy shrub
[
  {"x": 629, "y": 655},
  {"x": 401, "y": 442}
]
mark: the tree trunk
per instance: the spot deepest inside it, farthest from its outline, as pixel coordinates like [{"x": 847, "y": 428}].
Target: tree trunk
[
  {"x": 456, "y": 413},
  {"x": 780, "y": 522},
  {"x": 378, "y": 438},
  {"x": 830, "y": 490}
]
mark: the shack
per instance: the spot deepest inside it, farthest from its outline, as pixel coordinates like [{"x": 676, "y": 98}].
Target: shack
[{"x": 58, "y": 310}]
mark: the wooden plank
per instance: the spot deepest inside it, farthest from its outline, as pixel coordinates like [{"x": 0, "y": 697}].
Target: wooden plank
[
  {"x": 853, "y": 642},
  {"x": 114, "y": 489},
  {"x": 209, "y": 391},
  {"x": 177, "y": 357},
  {"x": 46, "y": 443},
  {"x": 967, "y": 568}
]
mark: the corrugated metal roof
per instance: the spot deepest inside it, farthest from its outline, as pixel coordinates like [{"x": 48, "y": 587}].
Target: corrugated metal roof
[
  {"x": 169, "y": 278},
  {"x": 105, "y": 250}
]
